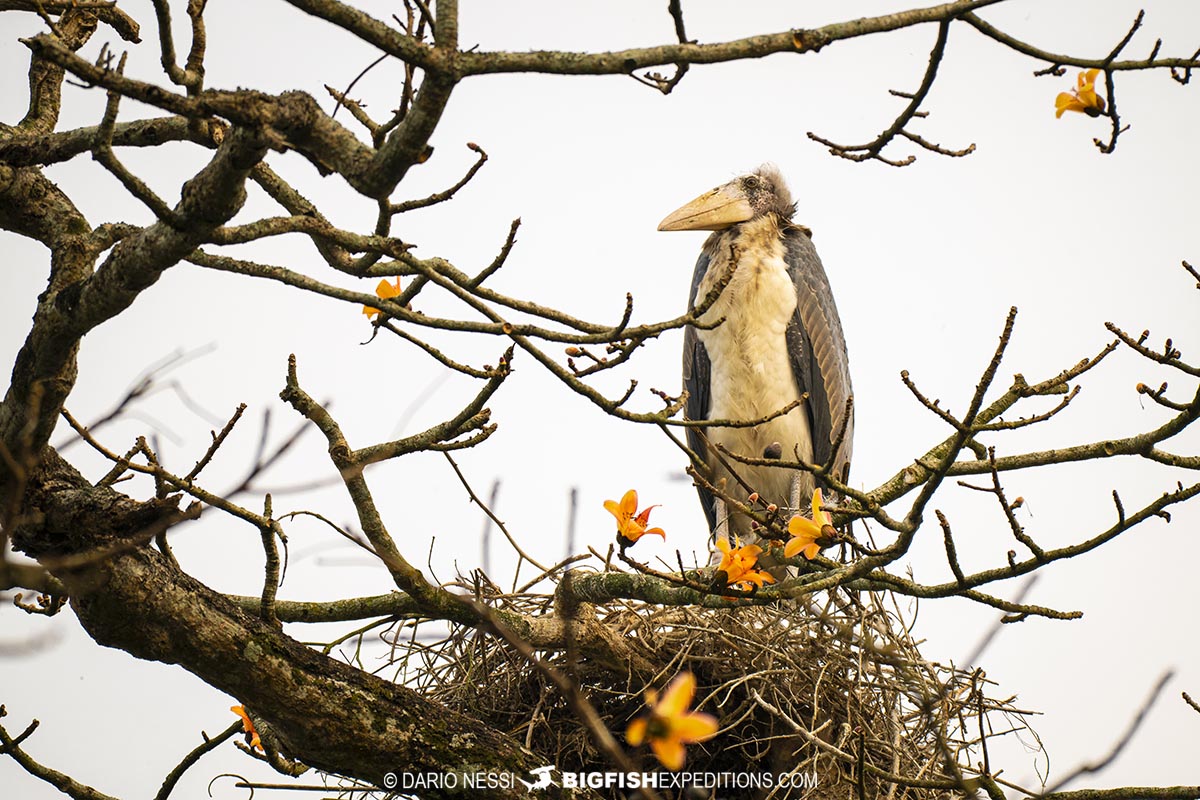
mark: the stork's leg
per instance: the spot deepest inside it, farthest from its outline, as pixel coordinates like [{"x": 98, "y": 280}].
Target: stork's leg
[
  {"x": 721, "y": 531},
  {"x": 794, "y": 496}
]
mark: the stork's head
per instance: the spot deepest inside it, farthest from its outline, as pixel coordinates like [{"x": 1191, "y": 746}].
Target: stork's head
[{"x": 745, "y": 198}]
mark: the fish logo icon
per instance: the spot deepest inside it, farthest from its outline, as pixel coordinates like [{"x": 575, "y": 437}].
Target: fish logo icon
[{"x": 543, "y": 778}]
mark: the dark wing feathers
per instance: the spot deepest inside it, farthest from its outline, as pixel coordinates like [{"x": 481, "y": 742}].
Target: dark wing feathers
[
  {"x": 808, "y": 377},
  {"x": 697, "y": 372},
  {"x": 817, "y": 349}
]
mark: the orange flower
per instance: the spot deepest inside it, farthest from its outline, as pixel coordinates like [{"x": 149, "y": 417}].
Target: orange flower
[
  {"x": 247, "y": 726},
  {"x": 806, "y": 532},
  {"x": 631, "y": 525},
  {"x": 669, "y": 725},
  {"x": 384, "y": 291},
  {"x": 737, "y": 562},
  {"x": 1084, "y": 99}
]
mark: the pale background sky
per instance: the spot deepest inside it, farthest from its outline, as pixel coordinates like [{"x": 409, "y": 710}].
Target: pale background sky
[{"x": 924, "y": 261}]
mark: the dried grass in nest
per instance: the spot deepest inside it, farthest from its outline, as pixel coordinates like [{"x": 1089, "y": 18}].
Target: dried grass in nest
[{"x": 838, "y": 691}]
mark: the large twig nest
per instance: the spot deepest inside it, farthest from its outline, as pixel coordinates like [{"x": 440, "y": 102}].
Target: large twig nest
[{"x": 836, "y": 692}]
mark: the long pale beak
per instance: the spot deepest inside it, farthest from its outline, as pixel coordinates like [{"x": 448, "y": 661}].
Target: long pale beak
[{"x": 712, "y": 211}]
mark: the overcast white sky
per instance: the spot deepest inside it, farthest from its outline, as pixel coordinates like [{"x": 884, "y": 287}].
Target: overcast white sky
[{"x": 924, "y": 261}]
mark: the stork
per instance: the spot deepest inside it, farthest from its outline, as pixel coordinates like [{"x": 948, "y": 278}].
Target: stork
[{"x": 779, "y": 341}]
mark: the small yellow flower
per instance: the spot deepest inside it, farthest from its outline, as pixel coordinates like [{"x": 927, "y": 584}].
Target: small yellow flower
[
  {"x": 1083, "y": 99},
  {"x": 806, "y": 532},
  {"x": 737, "y": 562},
  {"x": 631, "y": 525},
  {"x": 248, "y": 727},
  {"x": 384, "y": 291},
  {"x": 669, "y": 725}
]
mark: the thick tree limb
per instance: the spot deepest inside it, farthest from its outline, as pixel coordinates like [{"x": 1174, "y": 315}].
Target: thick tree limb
[
  {"x": 52, "y": 148},
  {"x": 294, "y": 119},
  {"x": 324, "y": 712},
  {"x": 625, "y": 61},
  {"x": 79, "y": 300},
  {"x": 73, "y": 30},
  {"x": 105, "y": 10},
  {"x": 32, "y": 205}
]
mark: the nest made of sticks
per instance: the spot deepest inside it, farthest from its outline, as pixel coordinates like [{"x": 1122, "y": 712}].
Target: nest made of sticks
[{"x": 836, "y": 690}]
